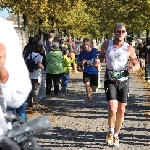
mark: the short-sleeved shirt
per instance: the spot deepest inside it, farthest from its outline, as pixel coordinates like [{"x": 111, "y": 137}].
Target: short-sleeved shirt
[{"x": 90, "y": 57}]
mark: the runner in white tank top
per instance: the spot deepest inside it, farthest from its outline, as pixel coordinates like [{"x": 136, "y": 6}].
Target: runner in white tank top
[{"x": 117, "y": 53}]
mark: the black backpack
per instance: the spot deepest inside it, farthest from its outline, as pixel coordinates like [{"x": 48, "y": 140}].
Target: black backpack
[
  {"x": 31, "y": 63},
  {"x": 27, "y": 50}
]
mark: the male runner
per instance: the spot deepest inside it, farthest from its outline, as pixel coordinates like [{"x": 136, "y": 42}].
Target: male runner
[
  {"x": 116, "y": 81},
  {"x": 89, "y": 58}
]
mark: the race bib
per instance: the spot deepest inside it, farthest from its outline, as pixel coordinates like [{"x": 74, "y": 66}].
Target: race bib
[{"x": 115, "y": 75}]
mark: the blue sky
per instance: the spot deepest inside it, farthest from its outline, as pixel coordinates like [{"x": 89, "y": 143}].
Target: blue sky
[{"x": 4, "y": 13}]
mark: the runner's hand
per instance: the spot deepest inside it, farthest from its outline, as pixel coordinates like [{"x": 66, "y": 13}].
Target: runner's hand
[
  {"x": 84, "y": 61},
  {"x": 131, "y": 68},
  {"x": 97, "y": 63}
]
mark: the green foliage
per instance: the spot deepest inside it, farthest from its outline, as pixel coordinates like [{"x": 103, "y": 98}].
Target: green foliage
[{"x": 83, "y": 17}]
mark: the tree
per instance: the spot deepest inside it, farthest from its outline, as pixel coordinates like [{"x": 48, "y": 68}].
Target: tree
[
  {"x": 76, "y": 20},
  {"x": 135, "y": 14},
  {"x": 82, "y": 17}
]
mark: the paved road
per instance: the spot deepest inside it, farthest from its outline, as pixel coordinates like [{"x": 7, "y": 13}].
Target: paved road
[{"x": 77, "y": 127}]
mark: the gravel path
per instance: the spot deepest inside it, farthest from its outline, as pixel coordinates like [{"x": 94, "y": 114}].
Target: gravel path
[{"x": 77, "y": 127}]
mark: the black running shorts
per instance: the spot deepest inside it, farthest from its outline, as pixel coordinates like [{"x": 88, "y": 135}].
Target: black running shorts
[
  {"x": 116, "y": 90},
  {"x": 92, "y": 78}
]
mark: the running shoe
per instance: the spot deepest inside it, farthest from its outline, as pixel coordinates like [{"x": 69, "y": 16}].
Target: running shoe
[
  {"x": 116, "y": 141},
  {"x": 92, "y": 104},
  {"x": 109, "y": 138}
]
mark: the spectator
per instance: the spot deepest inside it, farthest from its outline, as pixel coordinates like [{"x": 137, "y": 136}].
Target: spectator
[
  {"x": 38, "y": 49},
  {"x": 62, "y": 44},
  {"x": 54, "y": 68},
  {"x": 66, "y": 63},
  {"x": 140, "y": 50},
  {"x": 48, "y": 44},
  {"x": 72, "y": 49},
  {"x": 42, "y": 78}
]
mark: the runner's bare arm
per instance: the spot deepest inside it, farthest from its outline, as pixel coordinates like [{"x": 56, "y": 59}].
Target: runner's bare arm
[
  {"x": 97, "y": 64},
  {"x": 133, "y": 57}
]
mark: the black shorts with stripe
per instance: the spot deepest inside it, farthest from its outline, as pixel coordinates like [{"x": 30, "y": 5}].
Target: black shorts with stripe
[{"x": 117, "y": 90}]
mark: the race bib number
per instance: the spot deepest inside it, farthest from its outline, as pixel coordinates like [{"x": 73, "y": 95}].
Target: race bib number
[
  {"x": 90, "y": 62},
  {"x": 116, "y": 75}
]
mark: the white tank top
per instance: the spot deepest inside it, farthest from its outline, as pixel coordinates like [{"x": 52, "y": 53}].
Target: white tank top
[{"x": 116, "y": 59}]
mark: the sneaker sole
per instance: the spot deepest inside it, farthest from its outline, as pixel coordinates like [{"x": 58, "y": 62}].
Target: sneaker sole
[{"x": 116, "y": 146}]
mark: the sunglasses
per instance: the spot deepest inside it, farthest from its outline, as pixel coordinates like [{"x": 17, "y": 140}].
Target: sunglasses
[{"x": 121, "y": 31}]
